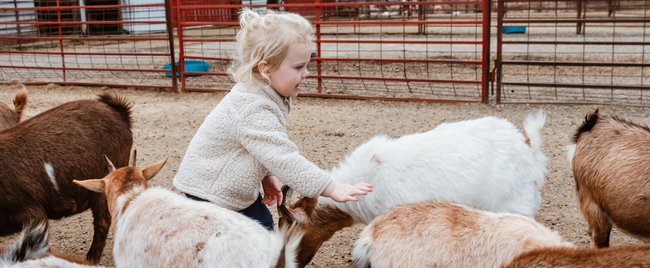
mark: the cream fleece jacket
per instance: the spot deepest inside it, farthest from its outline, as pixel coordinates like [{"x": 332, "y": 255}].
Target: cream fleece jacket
[{"x": 242, "y": 140}]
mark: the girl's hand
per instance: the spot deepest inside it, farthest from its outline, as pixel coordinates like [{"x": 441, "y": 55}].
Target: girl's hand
[
  {"x": 272, "y": 191},
  {"x": 343, "y": 192}
]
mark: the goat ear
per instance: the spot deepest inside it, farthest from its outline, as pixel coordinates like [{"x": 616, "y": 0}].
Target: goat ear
[
  {"x": 95, "y": 185},
  {"x": 109, "y": 164},
  {"x": 151, "y": 170},
  {"x": 283, "y": 211},
  {"x": 134, "y": 156}
]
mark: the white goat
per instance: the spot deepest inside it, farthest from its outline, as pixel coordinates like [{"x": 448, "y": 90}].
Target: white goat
[
  {"x": 484, "y": 163},
  {"x": 155, "y": 227},
  {"x": 442, "y": 234}
]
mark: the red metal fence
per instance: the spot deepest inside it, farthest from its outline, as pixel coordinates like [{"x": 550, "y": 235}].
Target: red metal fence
[
  {"x": 386, "y": 50},
  {"x": 574, "y": 51}
]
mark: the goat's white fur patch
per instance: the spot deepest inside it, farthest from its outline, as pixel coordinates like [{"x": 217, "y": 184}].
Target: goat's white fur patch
[{"x": 49, "y": 170}]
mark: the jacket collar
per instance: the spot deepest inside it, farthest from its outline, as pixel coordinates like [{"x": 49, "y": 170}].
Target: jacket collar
[{"x": 258, "y": 88}]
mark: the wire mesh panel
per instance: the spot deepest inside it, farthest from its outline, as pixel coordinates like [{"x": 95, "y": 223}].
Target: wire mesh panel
[
  {"x": 386, "y": 50},
  {"x": 94, "y": 42},
  {"x": 574, "y": 51}
]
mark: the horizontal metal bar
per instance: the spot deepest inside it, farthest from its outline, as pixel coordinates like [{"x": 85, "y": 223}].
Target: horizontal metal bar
[
  {"x": 595, "y": 86},
  {"x": 91, "y": 22},
  {"x": 317, "y": 5},
  {"x": 399, "y": 61},
  {"x": 49, "y": 38},
  {"x": 413, "y": 80},
  {"x": 596, "y": 20},
  {"x": 54, "y": 8},
  {"x": 84, "y": 69},
  {"x": 577, "y": 63},
  {"x": 353, "y": 97},
  {"x": 616, "y": 43},
  {"x": 84, "y": 84},
  {"x": 380, "y": 22},
  {"x": 364, "y": 41},
  {"x": 207, "y": 58},
  {"x": 83, "y": 53}
]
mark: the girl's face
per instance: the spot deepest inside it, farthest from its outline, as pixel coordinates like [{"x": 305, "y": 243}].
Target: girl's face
[{"x": 287, "y": 78}]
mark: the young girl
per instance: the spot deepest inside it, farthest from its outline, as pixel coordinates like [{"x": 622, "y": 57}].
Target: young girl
[{"x": 243, "y": 142}]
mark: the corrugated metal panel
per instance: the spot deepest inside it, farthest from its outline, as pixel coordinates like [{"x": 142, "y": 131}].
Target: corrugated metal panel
[{"x": 15, "y": 16}]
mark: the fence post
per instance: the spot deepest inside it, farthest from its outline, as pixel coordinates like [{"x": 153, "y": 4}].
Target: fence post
[
  {"x": 170, "y": 35},
  {"x": 497, "y": 62},
  {"x": 487, "y": 18},
  {"x": 318, "y": 47}
]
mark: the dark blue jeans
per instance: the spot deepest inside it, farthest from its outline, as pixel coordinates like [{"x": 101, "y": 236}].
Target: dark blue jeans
[{"x": 257, "y": 211}]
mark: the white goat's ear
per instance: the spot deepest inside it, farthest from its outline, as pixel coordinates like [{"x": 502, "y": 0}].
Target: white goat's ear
[
  {"x": 95, "y": 185},
  {"x": 109, "y": 164},
  {"x": 151, "y": 170}
]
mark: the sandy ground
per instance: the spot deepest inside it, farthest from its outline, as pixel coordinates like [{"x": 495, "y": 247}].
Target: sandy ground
[{"x": 325, "y": 130}]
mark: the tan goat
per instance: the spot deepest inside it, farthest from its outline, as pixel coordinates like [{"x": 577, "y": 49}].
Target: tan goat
[
  {"x": 611, "y": 166},
  {"x": 442, "y": 234},
  {"x": 10, "y": 117}
]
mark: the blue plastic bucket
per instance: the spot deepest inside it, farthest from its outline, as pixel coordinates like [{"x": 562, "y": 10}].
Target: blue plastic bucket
[
  {"x": 190, "y": 66},
  {"x": 514, "y": 29}
]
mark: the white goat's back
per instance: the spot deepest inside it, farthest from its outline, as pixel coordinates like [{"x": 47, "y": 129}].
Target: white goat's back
[
  {"x": 162, "y": 229},
  {"x": 441, "y": 234},
  {"x": 484, "y": 163}
]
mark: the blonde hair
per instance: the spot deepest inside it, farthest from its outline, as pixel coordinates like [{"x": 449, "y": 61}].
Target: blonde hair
[{"x": 266, "y": 38}]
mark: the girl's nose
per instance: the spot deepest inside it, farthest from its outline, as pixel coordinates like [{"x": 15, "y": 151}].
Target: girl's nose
[{"x": 306, "y": 73}]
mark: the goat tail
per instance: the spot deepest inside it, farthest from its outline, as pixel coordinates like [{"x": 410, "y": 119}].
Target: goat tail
[
  {"x": 361, "y": 251},
  {"x": 20, "y": 101},
  {"x": 119, "y": 104},
  {"x": 533, "y": 125},
  {"x": 291, "y": 237},
  {"x": 31, "y": 244}
]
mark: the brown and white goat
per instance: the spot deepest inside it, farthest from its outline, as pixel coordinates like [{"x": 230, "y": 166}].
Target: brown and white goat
[
  {"x": 485, "y": 163},
  {"x": 637, "y": 256},
  {"x": 10, "y": 117},
  {"x": 155, "y": 227},
  {"x": 40, "y": 157},
  {"x": 611, "y": 166},
  {"x": 442, "y": 234}
]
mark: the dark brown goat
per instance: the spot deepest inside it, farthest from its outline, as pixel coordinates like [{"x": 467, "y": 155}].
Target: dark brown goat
[
  {"x": 40, "y": 157},
  {"x": 9, "y": 117},
  {"x": 611, "y": 167}
]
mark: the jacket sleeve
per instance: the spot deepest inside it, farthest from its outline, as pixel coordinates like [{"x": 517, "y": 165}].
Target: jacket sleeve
[{"x": 263, "y": 135}]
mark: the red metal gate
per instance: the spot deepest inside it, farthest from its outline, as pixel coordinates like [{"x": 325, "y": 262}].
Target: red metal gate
[
  {"x": 574, "y": 51},
  {"x": 433, "y": 51}
]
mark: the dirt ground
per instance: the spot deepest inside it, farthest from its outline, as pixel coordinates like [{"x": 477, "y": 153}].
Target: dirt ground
[{"x": 325, "y": 130}]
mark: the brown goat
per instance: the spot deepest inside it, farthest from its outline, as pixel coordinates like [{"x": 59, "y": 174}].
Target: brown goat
[
  {"x": 611, "y": 167},
  {"x": 622, "y": 256},
  {"x": 41, "y": 156},
  {"x": 10, "y": 117}
]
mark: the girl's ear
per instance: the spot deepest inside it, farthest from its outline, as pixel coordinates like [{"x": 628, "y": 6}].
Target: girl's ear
[{"x": 261, "y": 67}]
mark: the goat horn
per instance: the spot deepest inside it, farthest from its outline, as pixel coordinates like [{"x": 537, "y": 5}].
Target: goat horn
[
  {"x": 133, "y": 158},
  {"x": 110, "y": 165}
]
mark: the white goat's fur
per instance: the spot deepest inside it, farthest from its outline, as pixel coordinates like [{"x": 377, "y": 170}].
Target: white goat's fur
[
  {"x": 441, "y": 234},
  {"x": 484, "y": 163},
  {"x": 159, "y": 228}
]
